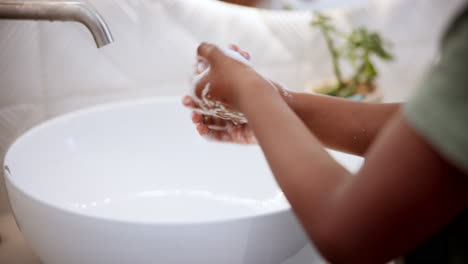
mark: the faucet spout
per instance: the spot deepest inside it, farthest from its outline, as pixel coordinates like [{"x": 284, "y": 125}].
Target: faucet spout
[{"x": 59, "y": 11}]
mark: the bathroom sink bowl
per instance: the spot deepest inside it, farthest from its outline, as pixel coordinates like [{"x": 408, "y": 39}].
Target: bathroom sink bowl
[{"x": 134, "y": 183}]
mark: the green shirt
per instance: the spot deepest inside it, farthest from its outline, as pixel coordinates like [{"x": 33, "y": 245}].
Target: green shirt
[{"x": 439, "y": 112}]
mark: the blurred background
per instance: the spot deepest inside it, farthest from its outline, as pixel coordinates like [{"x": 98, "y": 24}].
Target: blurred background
[{"x": 47, "y": 69}]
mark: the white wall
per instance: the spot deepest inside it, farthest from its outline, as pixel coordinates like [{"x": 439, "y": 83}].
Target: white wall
[{"x": 50, "y": 68}]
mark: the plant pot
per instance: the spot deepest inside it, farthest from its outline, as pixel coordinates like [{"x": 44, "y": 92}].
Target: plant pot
[
  {"x": 242, "y": 2},
  {"x": 370, "y": 95}
]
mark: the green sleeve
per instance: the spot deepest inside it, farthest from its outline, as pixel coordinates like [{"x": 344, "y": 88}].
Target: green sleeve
[{"x": 439, "y": 108}]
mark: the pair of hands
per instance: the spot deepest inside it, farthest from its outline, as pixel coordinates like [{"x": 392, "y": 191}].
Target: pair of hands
[{"x": 226, "y": 78}]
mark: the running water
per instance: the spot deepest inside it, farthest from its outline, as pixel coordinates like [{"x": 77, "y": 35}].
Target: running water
[{"x": 211, "y": 107}]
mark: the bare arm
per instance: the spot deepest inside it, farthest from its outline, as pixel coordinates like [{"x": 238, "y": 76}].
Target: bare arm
[
  {"x": 337, "y": 123},
  {"x": 341, "y": 124},
  {"x": 403, "y": 194}
]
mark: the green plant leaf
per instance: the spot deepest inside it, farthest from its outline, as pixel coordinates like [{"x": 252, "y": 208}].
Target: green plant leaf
[{"x": 358, "y": 47}]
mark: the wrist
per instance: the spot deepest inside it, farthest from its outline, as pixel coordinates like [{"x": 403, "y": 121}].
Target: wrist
[
  {"x": 287, "y": 95},
  {"x": 252, "y": 91}
]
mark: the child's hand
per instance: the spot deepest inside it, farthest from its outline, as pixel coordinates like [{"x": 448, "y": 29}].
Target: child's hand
[
  {"x": 223, "y": 80},
  {"x": 214, "y": 127}
]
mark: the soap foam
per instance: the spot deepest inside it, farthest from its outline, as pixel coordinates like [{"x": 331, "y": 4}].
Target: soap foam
[
  {"x": 217, "y": 109},
  {"x": 212, "y": 107},
  {"x": 235, "y": 55}
]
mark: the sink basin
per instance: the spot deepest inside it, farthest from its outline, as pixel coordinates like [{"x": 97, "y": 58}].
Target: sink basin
[{"x": 134, "y": 183}]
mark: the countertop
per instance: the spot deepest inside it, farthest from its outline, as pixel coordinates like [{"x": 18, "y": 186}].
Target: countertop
[{"x": 13, "y": 248}]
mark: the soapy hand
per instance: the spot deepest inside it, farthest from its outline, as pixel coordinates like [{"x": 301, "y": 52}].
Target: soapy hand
[
  {"x": 213, "y": 127},
  {"x": 228, "y": 76},
  {"x": 224, "y": 124}
]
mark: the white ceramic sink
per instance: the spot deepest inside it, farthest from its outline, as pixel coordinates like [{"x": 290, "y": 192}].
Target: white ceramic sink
[{"x": 134, "y": 183}]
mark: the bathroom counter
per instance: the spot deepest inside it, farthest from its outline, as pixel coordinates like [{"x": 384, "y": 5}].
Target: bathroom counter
[{"x": 13, "y": 248}]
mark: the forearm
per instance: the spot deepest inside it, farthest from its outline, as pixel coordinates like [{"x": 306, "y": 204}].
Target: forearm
[
  {"x": 325, "y": 197},
  {"x": 392, "y": 197},
  {"x": 341, "y": 124},
  {"x": 315, "y": 184},
  {"x": 303, "y": 169}
]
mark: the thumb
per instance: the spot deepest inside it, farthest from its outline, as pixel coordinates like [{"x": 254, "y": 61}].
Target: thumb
[{"x": 210, "y": 52}]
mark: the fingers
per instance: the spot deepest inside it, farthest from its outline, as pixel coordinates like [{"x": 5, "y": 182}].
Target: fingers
[
  {"x": 249, "y": 136},
  {"x": 213, "y": 123},
  {"x": 189, "y": 102},
  {"x": 210, "y": 52},
  {"x": 225, "y": 137},
  {"x": 201, "y": 84},
  {"x": 239, "y": 134},
  {"x": 211, "y": 127},
  {"x": 202, "y": 129},
  {"x": 244, "y": 54},
  {"x": 207, "y": 133},
  {"x": 213, "y": 54},
  {"x": 234, "y": 47},
  {"x": 197, "y": 118},
  {"x": 201, "y": 65}
]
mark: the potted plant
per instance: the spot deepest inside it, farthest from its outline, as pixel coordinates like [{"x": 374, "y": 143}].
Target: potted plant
[
  {"x": 358, "y": 49},
  {"x": 242, "y": 2}
]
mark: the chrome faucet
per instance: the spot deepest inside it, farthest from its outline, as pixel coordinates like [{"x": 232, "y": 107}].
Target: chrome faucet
[{"x": 59, "y": 11}]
